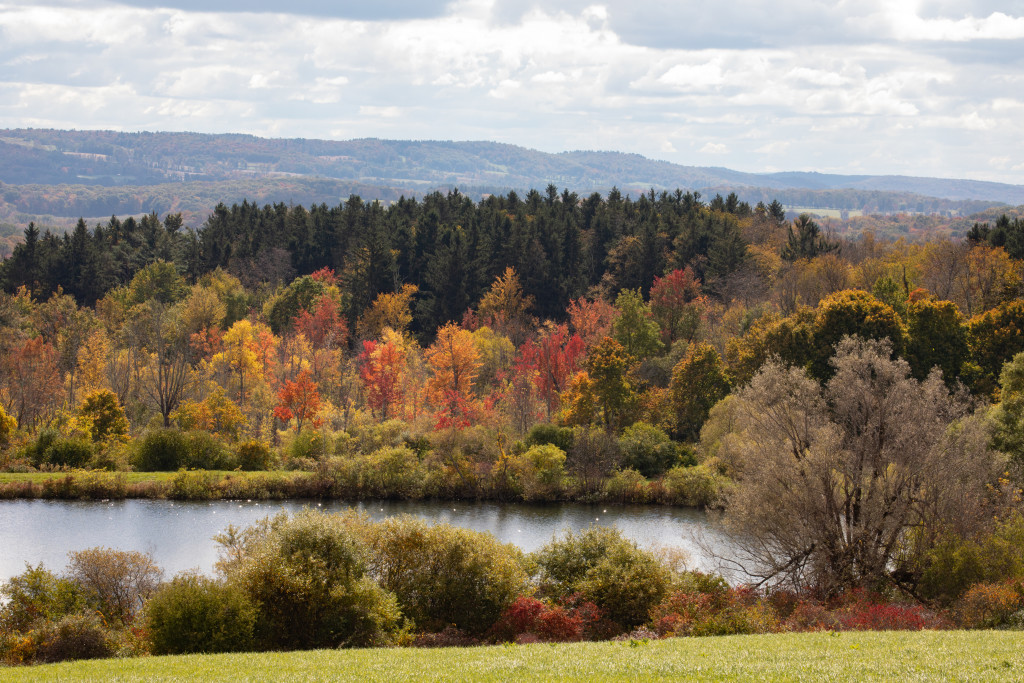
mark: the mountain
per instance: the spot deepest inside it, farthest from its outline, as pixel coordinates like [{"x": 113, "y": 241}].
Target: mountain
[{"x": 65, "y": 173}]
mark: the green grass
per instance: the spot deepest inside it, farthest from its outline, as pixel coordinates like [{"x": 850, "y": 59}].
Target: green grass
[
  {"x": 136, "y": 477},
  {"x": 877, "y": 656}
]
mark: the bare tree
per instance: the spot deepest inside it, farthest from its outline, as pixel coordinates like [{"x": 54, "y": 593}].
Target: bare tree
[
  {"x": 119, "y": 580},
  {"x": 836, "y": 485}
]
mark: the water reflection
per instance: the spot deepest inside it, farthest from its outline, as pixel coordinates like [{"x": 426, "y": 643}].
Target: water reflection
[{"x": 180, "y": 534}]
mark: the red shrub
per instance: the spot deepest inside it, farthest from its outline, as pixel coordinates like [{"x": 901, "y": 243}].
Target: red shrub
[{"x": 532, "y": 620}]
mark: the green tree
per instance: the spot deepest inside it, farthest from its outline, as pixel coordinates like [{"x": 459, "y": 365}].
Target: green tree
[
  {"x": 1008, "y": 415},
  {"x": 852, "y": 313},
  {"x": 806, "y": 240},
  {"x": 607, "y": 367},
  {"x": 993, "y": 338},
  {"x": 936, "y": 338},
  {"x": 102, "y": 416},
  {"x": 699, "y": 381},
  {"x": 635, "y": 328},
  {"x": 445, "y": 575}
]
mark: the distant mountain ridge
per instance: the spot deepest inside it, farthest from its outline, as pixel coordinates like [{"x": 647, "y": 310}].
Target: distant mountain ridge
[{"x": 109, "y": 158}]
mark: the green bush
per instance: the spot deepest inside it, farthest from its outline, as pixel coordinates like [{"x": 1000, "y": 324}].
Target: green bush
[
  {"x": 696, "y": 486},
  {"x": 68, "y": 453},
  {"x": 607, "y": 569},
  {"x": 195, "y": 613},
  {"x": 541, "y": 434},
  {"x": 309, "y": 445},
  {"x": 161, "y": 450},
  {"x": 37, "y": 594},
  {"x": 953, "y": 565},
  {"x": 541, "y": 472},
  {"x": 376, "y": 435},
  {"x": 444, "y": 575},
  {"x": 307, "y": 577},
  {"x": 647, "y": 449},
  {"x": 194, "y": 485},
  {"x": 627, "y": 486},
  {"x": 254, "y": 456},
  {"x": 393, "y": 472},
  {"x": 204, "y": 451},
  {"x": 35, "y": 451}
]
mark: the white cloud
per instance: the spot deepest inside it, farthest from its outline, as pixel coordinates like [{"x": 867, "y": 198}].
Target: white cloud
[
  {"x": 853, "y": 88},
  {"x": 380, "y": 112},
  {"x": 714, "y": 148}
]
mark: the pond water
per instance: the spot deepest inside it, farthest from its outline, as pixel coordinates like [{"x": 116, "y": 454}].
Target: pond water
[{"x": 180, "y": 534}]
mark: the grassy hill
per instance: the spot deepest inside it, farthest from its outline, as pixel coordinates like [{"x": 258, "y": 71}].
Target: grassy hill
[{"x": 866, "y": 656}]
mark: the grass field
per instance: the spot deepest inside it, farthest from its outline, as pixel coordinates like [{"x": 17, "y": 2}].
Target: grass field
[
  {"x": 137, "y": 477},
  {"x": 865, "y": 656}
]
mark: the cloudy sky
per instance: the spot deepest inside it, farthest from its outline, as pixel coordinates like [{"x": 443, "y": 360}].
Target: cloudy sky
[{"x": 928, "y": 87}]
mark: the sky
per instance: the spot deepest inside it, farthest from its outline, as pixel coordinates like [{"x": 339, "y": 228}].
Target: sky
[{"x": 915, "y": 87}]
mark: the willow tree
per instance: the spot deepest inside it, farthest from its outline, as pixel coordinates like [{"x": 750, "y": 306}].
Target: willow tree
[{"x": 842, "y": 485}]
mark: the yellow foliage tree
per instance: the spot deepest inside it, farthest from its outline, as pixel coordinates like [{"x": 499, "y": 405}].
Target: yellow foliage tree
[{"x": 389, "y": 309}]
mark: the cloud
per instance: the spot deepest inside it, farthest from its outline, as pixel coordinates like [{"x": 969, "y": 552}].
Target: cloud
[
  {"x": 879, "y": 86},
  {"x": 714, "y": 148}
]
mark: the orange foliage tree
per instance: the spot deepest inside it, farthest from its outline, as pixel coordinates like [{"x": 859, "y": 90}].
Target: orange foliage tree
[
  {"x": 299, "y": 400},
  {"x": 380, "y": 368},
  {"x": 454, "y": 360}
]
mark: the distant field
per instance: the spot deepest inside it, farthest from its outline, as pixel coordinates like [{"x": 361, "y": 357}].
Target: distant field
[
  {"x": 877, "y": 656},
  {"x": 825, "y": 213}
]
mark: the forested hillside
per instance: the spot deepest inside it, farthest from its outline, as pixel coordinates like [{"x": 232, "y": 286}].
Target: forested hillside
[{"x": 54, "y": 176}]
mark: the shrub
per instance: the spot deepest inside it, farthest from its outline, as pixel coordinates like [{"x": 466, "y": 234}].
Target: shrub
[
  {"x": 75, "y": 636},
  {"x": 194, "y": 485},
  {"x": 204, "y": 451},
  {"x": 954, "y": 565},
  {"x": 607, "y": 569},
  {"x": 449, "y": 637},
  {"x": 719, "y": 611},
  {"x": 393, "y": 472},
  {"x": 254, "y": 456},
  {"x": 541, "y": 434},
  {"x": 160, "y": 450},
  {"x": 195, "y": 613},
  {"x": 311, "y": 444},
  {"x": 35, "y": 451},
  {"x": 68, "y": 453},
  {"x": 307, "y": 577},
  {"x": 119, "y": 581},
  {"x": 627, "y": 486},
  {"x": 696, "y": 486},
  {"x": 37, "y": 594},
  {"x": 990, "y": 605},
  {"x": 860, "y": 610},
  {"x": 446, "y": 575},
  {"x": 540, "y": 621},
  {"x": 647, "y": 449},
  {"x": 541, "y": 471}
]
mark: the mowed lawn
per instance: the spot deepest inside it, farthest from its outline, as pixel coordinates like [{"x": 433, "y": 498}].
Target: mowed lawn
[{"x": 876, "y": 656}]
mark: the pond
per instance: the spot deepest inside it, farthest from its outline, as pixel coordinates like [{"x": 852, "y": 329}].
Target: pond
[{"x": 180, "y": 534}]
